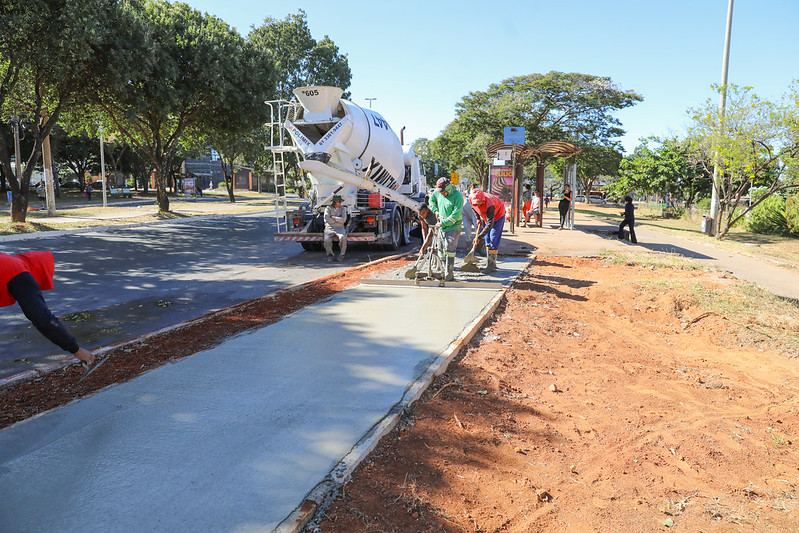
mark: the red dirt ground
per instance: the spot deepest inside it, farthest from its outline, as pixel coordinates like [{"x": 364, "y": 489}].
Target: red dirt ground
[{"x": 597, "y": 399}]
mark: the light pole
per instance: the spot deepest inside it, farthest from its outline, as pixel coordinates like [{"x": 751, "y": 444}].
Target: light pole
[
  {"x": 714, "y": 197},
  {"x": 102, "y": 168},
  {"x": 370, "y": 101}
]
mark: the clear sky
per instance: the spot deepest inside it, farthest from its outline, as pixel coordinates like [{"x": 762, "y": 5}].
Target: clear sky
[{"x": 420, "y": 58}]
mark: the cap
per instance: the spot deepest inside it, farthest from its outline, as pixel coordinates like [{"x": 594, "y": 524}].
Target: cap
[
  {"x": 442, "y": 183},
  {"x": 477, "y": 197}
]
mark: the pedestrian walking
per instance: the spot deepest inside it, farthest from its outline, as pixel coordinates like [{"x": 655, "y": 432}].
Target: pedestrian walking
[
  {"x": 335, "y": 221},
  {"x": 23, "y": 277},
  {"x": 89, "y": 191},
  {"x": 40, "y": 192},
  {"x": 490, "y": 210},
  {"x": 564, "y": 205},
  {"x": 469, "y": 220},
  {"x": 629, "y": 220},
  {"x": 447, "y": 203}
]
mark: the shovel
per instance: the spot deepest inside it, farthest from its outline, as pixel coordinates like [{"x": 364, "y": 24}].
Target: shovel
[{"x": 469, "y": 262}]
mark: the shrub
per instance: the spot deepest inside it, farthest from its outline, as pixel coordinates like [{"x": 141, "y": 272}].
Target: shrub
[
  {"x": 792, "y": 214},
  {"x": 703, "y": 204},
  {"x": 769, "y": 217}
]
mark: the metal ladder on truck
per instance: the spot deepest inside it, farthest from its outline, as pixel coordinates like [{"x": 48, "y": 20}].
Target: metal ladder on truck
[{"x": 280, "y": 111}]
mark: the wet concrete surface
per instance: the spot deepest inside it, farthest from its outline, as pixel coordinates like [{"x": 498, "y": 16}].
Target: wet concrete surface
[{"x": 233, "y": 438}]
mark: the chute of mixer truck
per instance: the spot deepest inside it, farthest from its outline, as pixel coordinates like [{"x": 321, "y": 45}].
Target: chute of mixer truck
[{"x": 353, "y": 152}]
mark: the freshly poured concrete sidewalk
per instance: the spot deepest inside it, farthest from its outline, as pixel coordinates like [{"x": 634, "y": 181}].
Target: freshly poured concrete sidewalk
[{"x": 234, "y": 438}]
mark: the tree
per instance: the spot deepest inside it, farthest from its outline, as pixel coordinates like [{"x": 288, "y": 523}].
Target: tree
[
  {"x": 667, "y": 169},
  {"x": 754, "y": 145},
  {"x": 556, "y": 106},
  {"x": 52, "y": 55},
  {"x": 80, "y": 153},
  {"x": 298, "y": 58},
  {"x": 196, "y": 73}
]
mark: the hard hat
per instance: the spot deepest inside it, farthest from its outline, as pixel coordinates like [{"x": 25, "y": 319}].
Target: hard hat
[
  {"x": 477, "y": 197},
  {"x": 442, "y": 183}
]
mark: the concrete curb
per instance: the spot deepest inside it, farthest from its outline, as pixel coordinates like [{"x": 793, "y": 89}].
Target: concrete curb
[
  {"x": 46, "y": 369},
  {"x": 326, "y": 490}
]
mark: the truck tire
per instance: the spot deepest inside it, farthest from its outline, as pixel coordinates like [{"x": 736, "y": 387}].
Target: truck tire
[
  {"x": 406, "y": 228},
  {"x": 312, "y": 246},
  {"x": 395, "y": 228}
]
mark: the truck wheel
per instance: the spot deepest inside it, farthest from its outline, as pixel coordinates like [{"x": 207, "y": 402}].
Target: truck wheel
[
  {"x": 406, "y": 229},
  {"x": 396, "y": 229}
]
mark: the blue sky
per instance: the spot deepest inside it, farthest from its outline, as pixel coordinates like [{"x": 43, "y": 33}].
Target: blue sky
[{"x": 420, "y": 58}]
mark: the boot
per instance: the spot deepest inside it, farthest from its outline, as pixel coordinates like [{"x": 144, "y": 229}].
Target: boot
[
  {"x": 491, "y": 262},
  {"x": 450, "y": 269}
]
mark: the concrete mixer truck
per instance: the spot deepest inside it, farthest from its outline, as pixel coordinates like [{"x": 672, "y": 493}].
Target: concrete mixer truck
[{"x": 352, "y": 152}]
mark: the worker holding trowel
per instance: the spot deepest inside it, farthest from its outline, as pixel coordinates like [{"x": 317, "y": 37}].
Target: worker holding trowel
[
  {"x": 447, "y": 204},
  {"x": 335, "y": 220},
  {"x": 490, "y": 211},
  {"x": 23, "y": 277}
]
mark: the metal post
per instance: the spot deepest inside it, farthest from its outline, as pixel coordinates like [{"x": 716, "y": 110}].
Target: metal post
[
  {"x": 714, "y": 199},
  {"x": 102, "y": 168}
]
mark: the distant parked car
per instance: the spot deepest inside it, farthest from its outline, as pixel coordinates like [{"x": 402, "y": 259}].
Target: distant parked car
[
  {"x": 594, "y": 199},
  {"x": 72, "y": 184},
  {"x": 580, "y": 198}
]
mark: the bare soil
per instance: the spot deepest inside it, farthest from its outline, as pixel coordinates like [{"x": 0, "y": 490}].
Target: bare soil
[{"x": 599, "y": 398}]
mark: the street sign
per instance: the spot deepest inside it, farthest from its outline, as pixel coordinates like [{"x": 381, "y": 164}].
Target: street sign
[
  {"x": 453, "y": 177},
  {"x": 513, "y": 135}
]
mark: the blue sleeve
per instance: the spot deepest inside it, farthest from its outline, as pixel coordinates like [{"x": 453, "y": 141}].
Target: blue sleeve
[{"x": 28, "y": 295}]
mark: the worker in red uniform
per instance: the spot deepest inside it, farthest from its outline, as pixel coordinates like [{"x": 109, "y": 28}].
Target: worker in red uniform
[
  {"x": 490, "y": 211},
  {"x": 23, "y": 277}
]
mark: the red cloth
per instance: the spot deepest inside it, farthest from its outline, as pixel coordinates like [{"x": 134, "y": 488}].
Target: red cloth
[
  {"x": 491, "y": 199},
  {"x": 41, "y": 265}
]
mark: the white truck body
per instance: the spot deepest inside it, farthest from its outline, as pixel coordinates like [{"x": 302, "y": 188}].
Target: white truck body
[{"x": 353, "y": 152}]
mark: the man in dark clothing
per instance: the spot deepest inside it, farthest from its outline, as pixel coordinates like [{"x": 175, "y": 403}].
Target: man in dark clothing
[
  {"x": 629, "y": 219},
  {"x": 22, "y": 279}
]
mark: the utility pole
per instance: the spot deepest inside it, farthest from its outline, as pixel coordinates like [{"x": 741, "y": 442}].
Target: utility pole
[
  {"x": 714, "y": 199},
  {"x": 17, "y": 159},
  {"x": 102, "y": 168}
]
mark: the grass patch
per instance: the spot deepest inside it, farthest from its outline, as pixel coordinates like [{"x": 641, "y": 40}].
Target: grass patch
[
  {"x": 783, "y": 249},
  {"x": 650, "y": 260}
]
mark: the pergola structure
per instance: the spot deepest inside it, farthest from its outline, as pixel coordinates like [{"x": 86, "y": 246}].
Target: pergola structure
[{"x": 523, "y": 152}]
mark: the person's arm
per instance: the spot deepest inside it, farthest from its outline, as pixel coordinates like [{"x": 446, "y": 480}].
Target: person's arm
[
  {"x": 28, "y": 295},
  {"x": 489, "y": 223}
]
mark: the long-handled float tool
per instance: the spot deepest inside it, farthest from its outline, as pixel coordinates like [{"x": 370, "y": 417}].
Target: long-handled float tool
[{"x": 89, "y": 369}]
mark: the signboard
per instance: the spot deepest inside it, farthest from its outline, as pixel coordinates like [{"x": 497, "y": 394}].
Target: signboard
[
  {"x": 501, "y": 183},
  {"x": 188, "y": 186},
  {"x": 453, "y": 177},
  {"x": 513, "y": 135},
  {"x": 504, "y": 154}
]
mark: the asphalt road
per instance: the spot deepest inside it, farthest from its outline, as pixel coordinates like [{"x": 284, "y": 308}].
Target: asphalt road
[{"x": 116, "y": 284}]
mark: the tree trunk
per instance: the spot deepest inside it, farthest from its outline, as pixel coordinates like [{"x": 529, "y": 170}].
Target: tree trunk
[{"x": 160, "y": 189}]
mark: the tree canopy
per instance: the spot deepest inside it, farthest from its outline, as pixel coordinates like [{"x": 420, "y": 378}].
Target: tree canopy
[
  {"x": 53, "y": 54},
  {"x": 557, "y": 106},
  {"x": 755, "y": 143},
  {"x": 196, "y": 72}
]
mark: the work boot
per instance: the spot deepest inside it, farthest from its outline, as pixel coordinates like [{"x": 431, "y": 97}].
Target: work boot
[
  {"x": 450, "y": 269},
  {"x": 491, "y": 262}
]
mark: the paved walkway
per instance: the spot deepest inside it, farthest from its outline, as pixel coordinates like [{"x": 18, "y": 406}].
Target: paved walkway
[
  {"x": 591, "y": 235},
  {"x": 236, "y": 437}
]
